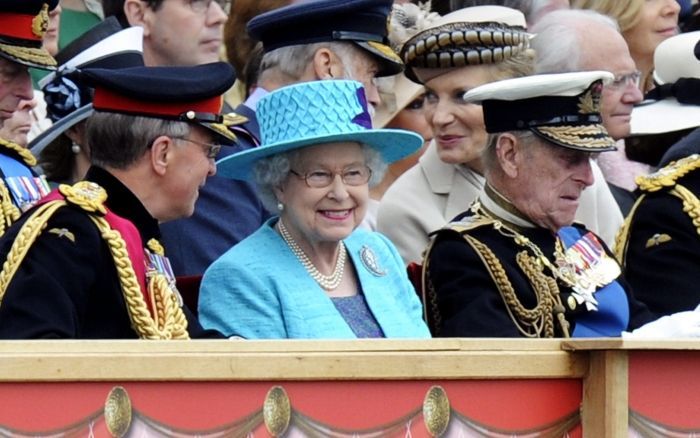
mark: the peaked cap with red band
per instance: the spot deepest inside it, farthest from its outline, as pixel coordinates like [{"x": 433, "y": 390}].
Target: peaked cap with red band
[
  {"x": 22, "y": 27},
  {"x": 189, "y": 94}
]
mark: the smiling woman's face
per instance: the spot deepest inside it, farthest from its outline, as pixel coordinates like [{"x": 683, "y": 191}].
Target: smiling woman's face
[
  {"x": 318, "y": 215},
  {"x": 458, "y": 127},
  {"x": 658, "y": 21}
]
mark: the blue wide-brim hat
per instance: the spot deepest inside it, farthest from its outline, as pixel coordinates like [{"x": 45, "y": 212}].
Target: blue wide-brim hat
[{"x": 312, "y": 113}]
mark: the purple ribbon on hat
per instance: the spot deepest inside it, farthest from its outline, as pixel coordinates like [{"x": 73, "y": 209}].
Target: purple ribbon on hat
[{"x": 363, "y": 119}]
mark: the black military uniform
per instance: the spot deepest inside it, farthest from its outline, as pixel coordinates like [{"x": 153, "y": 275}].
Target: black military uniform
[
  {"x": 20, "y": 186},
  {"x": 494, "y": 271},
  {"x": 659, "y": 243},
  {"x": 67, "y": 285},
  {"x": 86, "y": 261},
  {"x": 483, "y": 287}
]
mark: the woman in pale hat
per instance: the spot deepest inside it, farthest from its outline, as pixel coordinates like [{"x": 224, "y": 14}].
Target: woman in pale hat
[
  {"x": 309, "y": 272},
  {"x": 467, "y": 48},
  {"x": 448, "y": 175}
]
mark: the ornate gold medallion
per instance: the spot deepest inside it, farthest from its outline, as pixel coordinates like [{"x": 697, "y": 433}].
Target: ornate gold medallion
[
  {"x": 436, "y": 411},
  {"x": 118, "y": 412},
  {"x": 277, "y": 411}
]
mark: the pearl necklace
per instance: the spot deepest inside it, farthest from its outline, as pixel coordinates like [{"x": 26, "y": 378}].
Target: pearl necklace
[{"x": 328, "y": 282}]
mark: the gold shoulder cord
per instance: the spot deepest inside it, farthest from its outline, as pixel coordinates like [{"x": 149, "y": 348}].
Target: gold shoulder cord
[
  {"x": 536, "y": 322},
  {"x": 533, "y": 323},
  {"x": 8, "y": 210},
  {"x": 169, "y": 322}
]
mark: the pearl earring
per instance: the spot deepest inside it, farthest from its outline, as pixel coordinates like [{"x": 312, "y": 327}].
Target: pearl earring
[
  {"x": 280, "y": 206},
  {"x": 75, "y": 148}
]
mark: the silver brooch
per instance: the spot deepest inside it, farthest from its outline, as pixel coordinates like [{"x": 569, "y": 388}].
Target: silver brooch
[{"x": 369, "y": 260}]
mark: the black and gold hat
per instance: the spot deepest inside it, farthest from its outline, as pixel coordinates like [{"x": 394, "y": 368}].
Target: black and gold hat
[
  {"x": 469, "y": 36},
  {"x": 562, "y": 108},
  {"x": 23, "y": 24},
  {"x": 363, "y": 22}
]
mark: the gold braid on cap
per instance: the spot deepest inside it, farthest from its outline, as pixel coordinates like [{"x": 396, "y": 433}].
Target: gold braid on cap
[
  {"x": 169, "y": 321},
  {"x": 583, "y": 136},
  {"x": 28, "y": 54},
  {"x": 463, "y": 44}
]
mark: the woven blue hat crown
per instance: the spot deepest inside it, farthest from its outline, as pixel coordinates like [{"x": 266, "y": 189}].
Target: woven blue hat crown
[
  {"x": 303, "y": 112},
  {"x": 318, "y": 112}
]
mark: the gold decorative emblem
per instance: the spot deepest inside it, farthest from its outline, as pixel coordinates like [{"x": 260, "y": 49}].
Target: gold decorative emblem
[
  {"x": 277, "y": 411},
  {"x": 118, "y": 412},
  {"x": 87, "y": 195},
  {"x": 657, "y": 239},
  {"x": 589, "y": 102},
  {"x": 40, "y": 23},
  {"x": 436, "y": 411}
]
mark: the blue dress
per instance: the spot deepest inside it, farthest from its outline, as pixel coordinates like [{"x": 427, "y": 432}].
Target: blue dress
[{"x": 259, "y": 290}]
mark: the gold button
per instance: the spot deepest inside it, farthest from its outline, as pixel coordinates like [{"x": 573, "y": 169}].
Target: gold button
[{"x": 571, "y": 301}]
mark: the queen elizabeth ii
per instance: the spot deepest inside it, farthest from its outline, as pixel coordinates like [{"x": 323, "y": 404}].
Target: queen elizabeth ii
[{"x": 310, "y": 272}]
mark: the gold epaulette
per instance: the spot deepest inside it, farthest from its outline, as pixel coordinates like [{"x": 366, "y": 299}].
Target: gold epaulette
[
  {"x": 668, "y": 175},
  {"x": 470, "y": 223},
  {"x": 87, "y": 195}
]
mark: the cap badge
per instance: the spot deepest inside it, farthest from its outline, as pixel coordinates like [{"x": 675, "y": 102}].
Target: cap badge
[
  {"x": 40, "y": 23},
  {"x": 589, "y": 102},
  {"x": 369, "y": 260}
]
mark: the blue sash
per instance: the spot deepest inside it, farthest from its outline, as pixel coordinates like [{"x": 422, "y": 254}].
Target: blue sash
[{"x": 612, "y": 315}]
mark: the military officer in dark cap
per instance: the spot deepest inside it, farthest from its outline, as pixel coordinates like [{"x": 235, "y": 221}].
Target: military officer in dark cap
[
  {"x": 86, "y": 261},
  {"x": 306, "y": 41},
  {"x": 22, "y": 27},
  {"x": 514, "y": 264}
]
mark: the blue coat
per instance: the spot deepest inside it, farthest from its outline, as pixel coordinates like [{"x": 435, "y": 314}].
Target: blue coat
[{"x": 258, "y": 289}]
